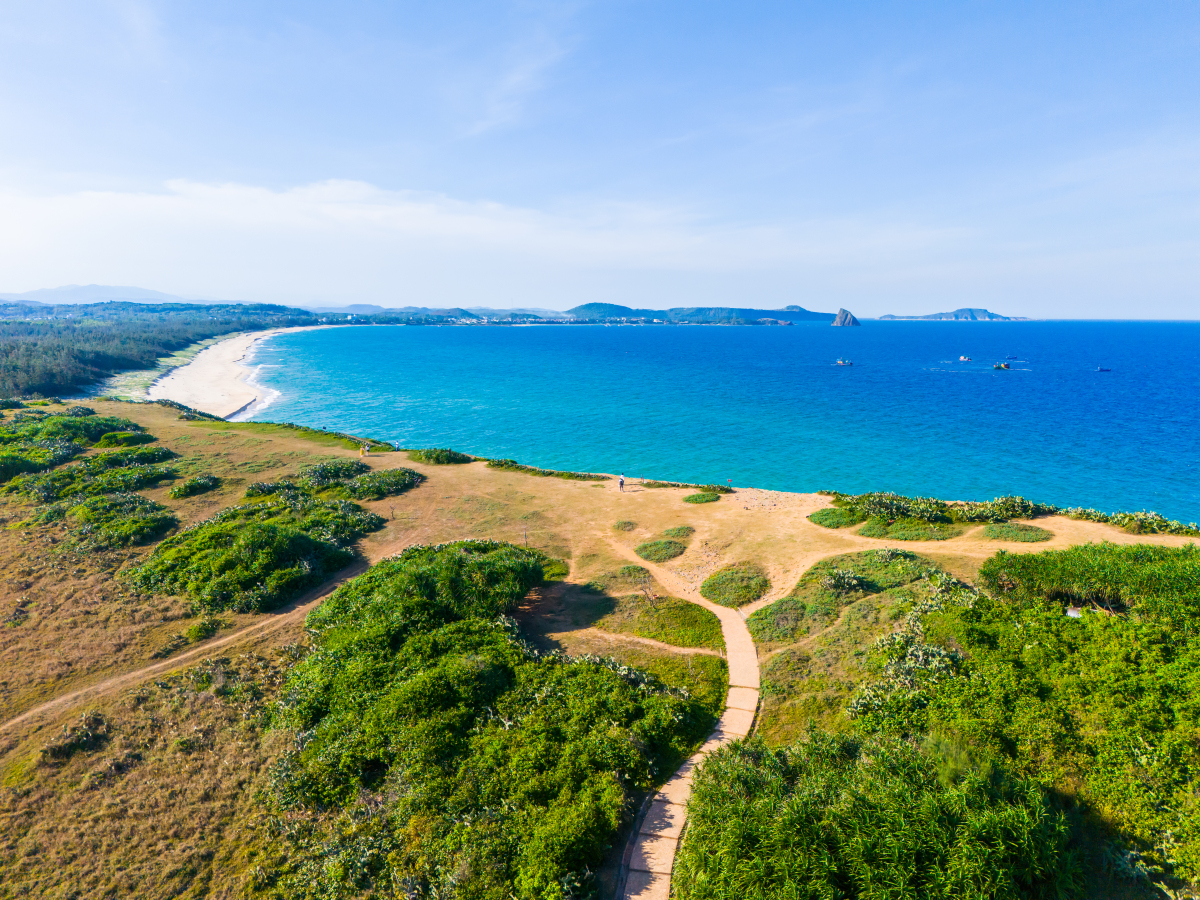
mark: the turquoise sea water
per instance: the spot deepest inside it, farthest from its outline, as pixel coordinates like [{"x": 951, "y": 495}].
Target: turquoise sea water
[{"x": 766, "y": 406}]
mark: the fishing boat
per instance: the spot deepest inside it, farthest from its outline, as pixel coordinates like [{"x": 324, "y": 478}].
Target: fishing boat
[
  {"x": 964, "y": 359},
  {"x": 1000, "y": 366},
  {"x": 844, "y": 362},
  {"x": 1098, "y": 369},
  {"x": 1010, "y": 357}
]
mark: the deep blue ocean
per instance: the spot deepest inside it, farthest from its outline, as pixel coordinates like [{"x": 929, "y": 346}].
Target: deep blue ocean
[{"x": 767, "y": 407}]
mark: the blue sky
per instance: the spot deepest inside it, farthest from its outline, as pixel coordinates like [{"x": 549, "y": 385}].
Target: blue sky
[{"x": 1036, "y": 159}]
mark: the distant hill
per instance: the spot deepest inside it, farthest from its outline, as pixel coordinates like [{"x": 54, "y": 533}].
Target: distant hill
[
  {"x": 962, "y": 315},
  {"x": 95, "y": 293},
  {"x": 699, "y": 315}
]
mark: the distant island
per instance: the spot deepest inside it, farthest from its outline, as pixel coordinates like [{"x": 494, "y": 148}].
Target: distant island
[
  {"x": 960, "y": 315},
  {"x": 699, "y": 315}
]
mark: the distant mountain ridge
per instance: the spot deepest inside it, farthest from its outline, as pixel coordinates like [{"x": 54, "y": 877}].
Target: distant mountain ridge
[
  {"x": 699, "y": 315},
  {"x": 961, "y": 315},
  {"x": 97, "y": 293}
]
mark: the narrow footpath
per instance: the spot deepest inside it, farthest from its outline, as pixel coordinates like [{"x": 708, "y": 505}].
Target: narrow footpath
[{"x": 651, "y": 855}]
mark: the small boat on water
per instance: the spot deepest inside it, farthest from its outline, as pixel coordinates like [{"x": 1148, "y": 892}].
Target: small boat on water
[
  {"x": 1098, "y": 369},
  {"x": 964, "y": 359},
  {"x": 1010, "y": 357},
  {"x": 844, "y": 362},
  {"x": 1000, "y": 365}
]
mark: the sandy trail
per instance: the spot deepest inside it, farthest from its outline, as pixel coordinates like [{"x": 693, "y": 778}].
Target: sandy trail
[{"x": 650, "y": 856}]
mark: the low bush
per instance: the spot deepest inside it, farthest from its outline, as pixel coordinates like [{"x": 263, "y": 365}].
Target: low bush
[
  {"x": 382, "y": 483},
  {"x": 660, "y": 551},
  {"x": 435, "y": 750},
  {"x": 26, "y": 458},
  {"x": 90, "y": 734},
  {"x": 117, "y": 471},
  {"x": 125, "y": 439},
  {"x": 439, "y": 457},
  {"x": 1135, "y": 523},
  {"x": 197, "y": 484},
  {"x": 327, "y": 474},
  {"x": 703, "y": 488},
  {"x": 624, "y": 525},
  {"x": 736, "y": 585},
  {"x": 111, "y": 520},
  {"x": 835, "y": 816},
  {"x": 702, "y": 498},
  {"x": 910, "y": 530},
  {"x": 679, "y": 532},
  {"x": 511, "y": 465},
  {"x": 1013, "y": 531},
  {"x": 81, "y": 429},
  {"x": 258, "y": 556},
  {"x": 834, "y": 518}
]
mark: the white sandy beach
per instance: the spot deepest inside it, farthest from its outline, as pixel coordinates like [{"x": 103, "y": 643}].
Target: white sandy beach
[{"x": 215, "y": 381}]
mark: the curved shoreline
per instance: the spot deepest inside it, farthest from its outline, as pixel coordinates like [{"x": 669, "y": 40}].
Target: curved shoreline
[{"x": 217, "y": 380}]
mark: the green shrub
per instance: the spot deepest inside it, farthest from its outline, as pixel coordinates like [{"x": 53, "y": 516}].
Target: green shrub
[
  {"x": 25, "y": 458},
  {"x": 833, "y": 816},
  {"x": 555, "y": 569},
  {"x": 258, "y": 556},
  {"x": 1100, "y": 707},
  {"x": 703, "y": 488},
  {"x": 511, "y": 465},
  {"x": 125, "y": 439},
  {"x": 81, "y": 429},
  {"x": 197, "y": 484},
  {"x": 90, "y": 734},
  {"x": 910, "y": 530},
  {"x": 439, "y": 456},
  {"x": 624, "y": 525},
  {"x": 679, "y": 532},
  {"x": 435, "y": 749},
  {"x": 382, "y": 483},
  {"x": 118, "y": 520},
  {"x": 660, "y": 551},
  {"x": 666, "y": 619},
  {"x": 736, "y": 585},
  {"x": 1011, "y": 531},
  {"x": 702, "y": 498},
  {"x": 117, "y": 471},
  {"x": 834, "y": 518},
  {"x": 327, "y": 474}
]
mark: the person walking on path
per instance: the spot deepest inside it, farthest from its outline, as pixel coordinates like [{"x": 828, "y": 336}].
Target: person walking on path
[{"x": 621, "y": 483}]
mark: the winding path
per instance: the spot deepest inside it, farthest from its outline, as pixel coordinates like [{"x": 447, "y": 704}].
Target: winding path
[{"x": 651, "y": 855}]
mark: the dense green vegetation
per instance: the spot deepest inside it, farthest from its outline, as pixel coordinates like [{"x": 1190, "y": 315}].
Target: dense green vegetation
[
  {"x": 257, "y": 556},
  {"x": 910, "y": 530},
  {"x": 736, "y": 585},
  {"x": 1100, "y": 706},
  {"x": 834, "y": 518},
  {"x": 1015, "y": 531},
  {"x": 55, "y": 356},
  {"x": 439, "y": 456},
  {"x": 111, "y": 472},
  {"x": 660, "y": 551},
  {"x": 197, "y": 484},
  {"x": 704, "y": 497},
  {"x": 891, "y": 508},
  {"x": 438, "y": 754},
  {"x": 113, "y": 520},
  {"x": 835, "y": 816},
  {"x": 511, "y": 465},
  {"x": 315, "y": 435},
  {"x": 353, "y": 478},
  {"x": 125, "y": 439}
]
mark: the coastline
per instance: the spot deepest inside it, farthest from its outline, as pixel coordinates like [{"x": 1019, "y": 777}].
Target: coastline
[{"x": 217, "y": 381}]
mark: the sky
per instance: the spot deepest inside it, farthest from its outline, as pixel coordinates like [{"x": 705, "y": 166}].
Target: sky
[{"x": 1035, "y": 159}]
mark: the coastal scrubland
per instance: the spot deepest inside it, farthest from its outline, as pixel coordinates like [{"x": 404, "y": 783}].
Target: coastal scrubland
[{"x": 240, "y": 660}]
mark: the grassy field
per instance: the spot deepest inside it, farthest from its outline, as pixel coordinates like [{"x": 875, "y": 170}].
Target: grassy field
[{"x": 136, "y": 736}]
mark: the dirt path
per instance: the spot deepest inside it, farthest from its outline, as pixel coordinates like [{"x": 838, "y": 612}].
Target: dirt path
[
  {"x": 651, "y": 854},
  {"x": 271, "y": 622}
]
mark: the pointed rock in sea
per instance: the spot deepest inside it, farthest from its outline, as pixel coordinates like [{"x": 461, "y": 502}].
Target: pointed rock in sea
[{"x": 844, "y": 317}]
